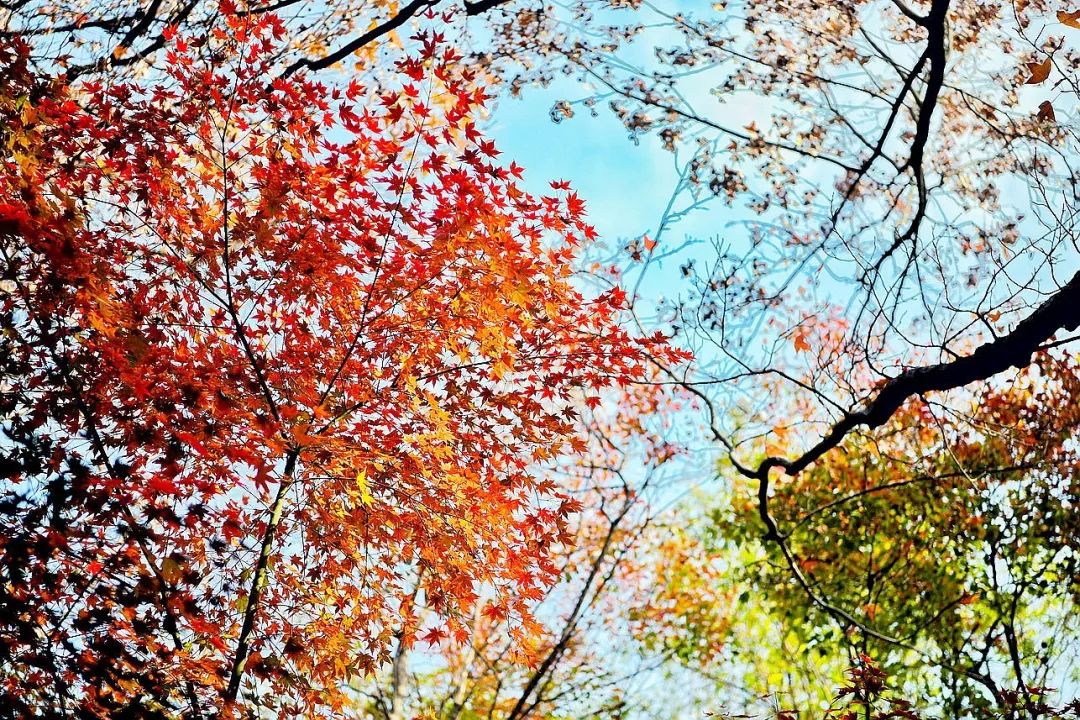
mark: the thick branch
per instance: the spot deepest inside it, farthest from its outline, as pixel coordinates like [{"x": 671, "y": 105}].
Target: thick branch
[
  {"x": 1060, "y": 312},
  {"x": 113, "y": 60},
  {"x": 258, "y": 582},
  {"x": 937, "y": 29},
  {"x": 370, "y": 36},
  {"x": 481, "y": 6},
  {"x": 139, "y": 28}
]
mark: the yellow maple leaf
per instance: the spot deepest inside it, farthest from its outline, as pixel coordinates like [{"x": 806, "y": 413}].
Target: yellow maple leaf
[
  {"x": 171, "y": 571},
  {"x": 364, "y": 487}
]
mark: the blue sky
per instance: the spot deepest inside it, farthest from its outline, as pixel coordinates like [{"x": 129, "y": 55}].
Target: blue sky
[{"x": 624, "y": 184}]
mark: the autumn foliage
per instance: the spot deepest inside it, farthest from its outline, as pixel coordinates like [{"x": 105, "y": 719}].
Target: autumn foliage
[
  {"x": 281, "y": 361},
  {"x": 314, "y": 405}
]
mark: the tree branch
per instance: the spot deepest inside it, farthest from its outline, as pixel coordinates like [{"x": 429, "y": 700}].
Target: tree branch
[
  {"x": 1060, "y": 312},
  {"x": 375, "y": 33},
  {"x": 259, "y": 581},
  {"x": 481, "y": 6}
]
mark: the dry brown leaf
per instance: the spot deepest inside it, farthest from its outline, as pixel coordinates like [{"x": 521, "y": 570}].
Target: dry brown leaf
[
  {"x": 1046, "y": 112},
  {"x": 1039, "y": 72},
  {"x": 1072, "y": 19}
]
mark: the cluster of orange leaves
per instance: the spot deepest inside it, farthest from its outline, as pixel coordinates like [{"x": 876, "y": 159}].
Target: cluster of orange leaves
[{"x": 289, "y": 360}]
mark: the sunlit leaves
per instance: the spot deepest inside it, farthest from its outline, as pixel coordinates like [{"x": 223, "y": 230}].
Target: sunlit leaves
[
  {"x": 1039, "y": 71},
  {"x": 1072, "y": 19},
  {"x": 945, "y": 532},
  {"x": 291, "y": 359}
]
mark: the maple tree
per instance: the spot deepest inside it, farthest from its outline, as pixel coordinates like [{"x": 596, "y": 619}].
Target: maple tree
[{"x": 281, "y": 361}]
